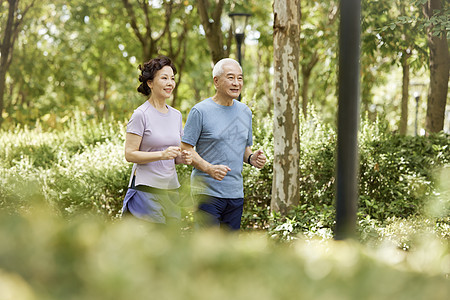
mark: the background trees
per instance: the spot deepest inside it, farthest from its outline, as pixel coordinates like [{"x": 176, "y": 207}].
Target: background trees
[
  {"x": 12, "y": 16},
  {"x": 436, "y": 13},
  {"x": 87, "y": 52}
]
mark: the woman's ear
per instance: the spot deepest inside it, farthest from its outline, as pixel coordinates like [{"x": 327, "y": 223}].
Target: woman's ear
[{"x": 149, "y": 83}]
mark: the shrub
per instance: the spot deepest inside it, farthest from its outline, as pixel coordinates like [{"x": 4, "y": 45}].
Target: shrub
[
  {"x": 397, "y": 171},
  {"x": 82, "y": 169},
  {"x": 46, "y": 257},
  {"x": 396, "y": 175},
  {"x": 94, "y": 180},
  {"x": 78, "y": 169}
]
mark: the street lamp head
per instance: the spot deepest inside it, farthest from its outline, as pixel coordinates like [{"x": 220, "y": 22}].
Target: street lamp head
[{"x": 239, "y": 22}]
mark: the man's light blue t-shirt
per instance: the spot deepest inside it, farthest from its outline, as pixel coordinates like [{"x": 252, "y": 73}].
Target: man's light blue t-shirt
[{"x": 220, "y": 135}]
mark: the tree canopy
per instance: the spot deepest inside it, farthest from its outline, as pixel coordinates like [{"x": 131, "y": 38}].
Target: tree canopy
[{"x": 58, "y": 57}]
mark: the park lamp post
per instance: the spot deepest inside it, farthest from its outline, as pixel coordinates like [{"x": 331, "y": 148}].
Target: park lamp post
[
  {"x": 239, "y": 22},
  {"x": 417, "y": 88},
  {"x": 417, "y": 97}
]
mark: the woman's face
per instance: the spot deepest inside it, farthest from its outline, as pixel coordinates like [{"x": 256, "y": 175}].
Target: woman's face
[{"x": 163, "y": 83}]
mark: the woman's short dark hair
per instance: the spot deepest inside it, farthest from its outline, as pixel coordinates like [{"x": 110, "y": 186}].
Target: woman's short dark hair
[{"x": 149, "y": 69}]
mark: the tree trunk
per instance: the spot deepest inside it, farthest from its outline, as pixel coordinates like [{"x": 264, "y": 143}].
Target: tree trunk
[
  {"x": 180, "y": 55},
  {"x": 7, "y": 45},
  {"x": 2, "y": 92},
  {"x": 305, "y": 86},
  {"x": 439, "y": 72},
  {"x": 306, "y": 75},
  {"x": 285, "y": 189},
  {"x": 105, "y": 98},
  {"x": 405, "y": 94},
  {"x": 213, "y": 28}
]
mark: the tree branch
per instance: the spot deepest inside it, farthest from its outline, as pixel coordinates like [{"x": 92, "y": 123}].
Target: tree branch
[
  {"x": 218, "y": 11},
  {"x": 202, "y": 8},
  {"x": 132, "y": 15},
  {"x": 148, "y": 26},
  {"x": 182, "y": 39},
  {"x": 168, "y": 16}
]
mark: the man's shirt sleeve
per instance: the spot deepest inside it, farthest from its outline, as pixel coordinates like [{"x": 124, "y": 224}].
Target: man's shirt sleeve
[{"x": 193, "y": 127}]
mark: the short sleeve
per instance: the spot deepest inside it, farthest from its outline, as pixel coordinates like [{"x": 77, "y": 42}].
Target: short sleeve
[
  {"x": 136, "y": 124},
  {"x": 181, "y": 126},
  {"x": 193, "y": 127},
  {"x": 250, "y": 131}
]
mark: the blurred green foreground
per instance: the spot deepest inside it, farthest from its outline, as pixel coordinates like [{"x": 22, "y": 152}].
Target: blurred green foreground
[
  {"x": 43, "y": 256},
  {"x": 61, "y": 236}
]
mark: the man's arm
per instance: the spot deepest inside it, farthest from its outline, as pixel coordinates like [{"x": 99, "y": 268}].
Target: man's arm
[
  {"x": 257, "y": 159},
  {"x": 218, "y": 172}
]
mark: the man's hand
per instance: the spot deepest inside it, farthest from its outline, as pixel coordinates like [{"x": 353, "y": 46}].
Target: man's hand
[
  {"x": 218, "y": 172},
  {"x": 186, "y": 157},
  {"x": 258, "y": 159}
]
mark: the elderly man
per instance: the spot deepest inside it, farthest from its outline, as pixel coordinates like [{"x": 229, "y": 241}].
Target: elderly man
[{"x": 220, "y": 129}]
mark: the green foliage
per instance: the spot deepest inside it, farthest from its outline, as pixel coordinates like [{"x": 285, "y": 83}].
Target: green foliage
[
  {"x": 47, "y": 257},
  {"x": 82, "y": 170},
  {"x": 397, "y": 177},
  {"x": 406, "y": 234},
  {"x": 79, "y": 169},
  {"x": 258, "y": 183},
  {"x": 310, "y": 221},
  {"x": 397, "y": 171}
]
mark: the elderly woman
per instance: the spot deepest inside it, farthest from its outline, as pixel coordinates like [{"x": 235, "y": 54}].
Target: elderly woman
[{"x": 153, "y": 144}]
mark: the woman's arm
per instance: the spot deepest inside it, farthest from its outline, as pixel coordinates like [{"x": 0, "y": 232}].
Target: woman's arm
[{"x": 132, "y": 153}]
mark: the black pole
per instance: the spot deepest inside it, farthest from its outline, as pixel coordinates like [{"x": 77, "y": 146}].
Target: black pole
[
  {"x": 417, "y": 114},
  {"x": 348, "y": 119},
  {"x": 239, "y": 41}
]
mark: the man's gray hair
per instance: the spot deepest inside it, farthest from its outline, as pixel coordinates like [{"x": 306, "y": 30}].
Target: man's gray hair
[{"x": 218, "y": 67}]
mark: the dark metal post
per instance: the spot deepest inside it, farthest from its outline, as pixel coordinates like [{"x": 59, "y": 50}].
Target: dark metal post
[
  {"x": 239, "y": 22},
  {"x": 348, "y": 119},
  {"x": 239, "y": 40},
  {"x": 417, "y": 97}
]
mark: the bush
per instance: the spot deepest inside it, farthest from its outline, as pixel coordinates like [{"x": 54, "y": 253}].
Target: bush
[
  {"x": 397, "y": 171},
  {"x": 82, "y": 169},
  {"x": 258, "y": 183},
  {"x": 46, "y": 257},
  {"x": 79, "y": 169},
  {"x": 396, "y": 175},
  {"x": 78, "y": 250}
]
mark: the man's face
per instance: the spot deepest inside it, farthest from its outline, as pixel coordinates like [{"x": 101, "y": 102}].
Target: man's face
[{"x": 230, "y": 82}]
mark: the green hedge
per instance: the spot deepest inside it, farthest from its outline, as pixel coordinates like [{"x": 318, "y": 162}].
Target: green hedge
[
  {"x": 46, "y": 257},
  {"x": 398, "y": 175},
  {"x": 82, "y": 169},
  {"x": 61, "y": 192}
]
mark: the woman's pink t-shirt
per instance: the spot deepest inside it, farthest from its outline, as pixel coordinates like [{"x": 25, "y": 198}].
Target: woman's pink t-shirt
[{"x": 158, "y": 131}]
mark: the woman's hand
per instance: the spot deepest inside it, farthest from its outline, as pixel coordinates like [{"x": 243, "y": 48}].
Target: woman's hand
[{"x": 171, "y": 153}]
